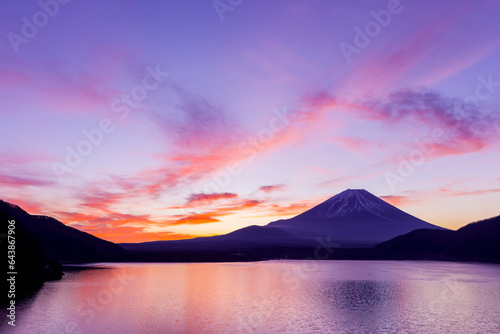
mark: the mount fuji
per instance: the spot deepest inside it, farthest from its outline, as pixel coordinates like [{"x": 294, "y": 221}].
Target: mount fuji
[{"x": 353, "y": 218}]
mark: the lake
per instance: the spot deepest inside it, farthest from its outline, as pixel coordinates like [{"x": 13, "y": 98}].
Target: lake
[{"x": 268, "y": 297}]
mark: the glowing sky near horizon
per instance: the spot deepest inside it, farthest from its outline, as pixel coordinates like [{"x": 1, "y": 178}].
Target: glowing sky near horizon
[{"x": 262, "y": 115}]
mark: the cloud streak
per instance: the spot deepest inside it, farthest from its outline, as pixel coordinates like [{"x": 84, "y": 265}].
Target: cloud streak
[
  {"x": 273, "y": 188},
  {"x": 207, "y": 198},
  {"x": 17, "y": 181}
]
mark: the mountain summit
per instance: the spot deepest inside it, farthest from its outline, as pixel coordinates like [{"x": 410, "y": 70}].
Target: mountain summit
[
  {"x": 352, "y": 218},
  {"x": 349, "y": 202}
]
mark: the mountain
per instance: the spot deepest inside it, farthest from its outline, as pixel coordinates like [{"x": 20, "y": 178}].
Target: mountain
[
  {"x": 247, "y": 237},
  {"x": 60, "y": 242},
  {"x": 353, "y": 218},
  {"x": 250, "y": 243},
  {"x": 478, "y": 242},
  {"x": 31, "y": 264}
]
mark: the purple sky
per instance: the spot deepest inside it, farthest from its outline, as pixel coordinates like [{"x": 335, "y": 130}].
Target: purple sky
[{"x": 188, "y": 119}]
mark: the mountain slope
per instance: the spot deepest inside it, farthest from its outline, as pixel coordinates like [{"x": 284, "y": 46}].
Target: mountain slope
[
  {"x": 353, "y": 218},
  {"x": 252, "y": 243},
  {"x": 60, "y": 242},
  {"x": 30, "y": 264},
  {"x": 246, "y": 238},
  {"x": 479, "y": 241}
]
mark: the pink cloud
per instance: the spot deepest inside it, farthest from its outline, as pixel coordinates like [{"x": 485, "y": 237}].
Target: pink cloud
[
  {"x": 456, "y": 65},
  {"x": 272, "y": 188},
  {"x": 462, "y": 130},
  {"x": 344, "y": 180},
  {"x": 10, "y": 78},
  {"x": 95, "y": 198},
  {"x": 207, "y": 198},
  {"x": 453, "y": 193},
  {"x": 206, "y": 140},
  {"x": 296, "y": 208},
  {"x": 357, "y": 144},
  {"x": 71, "y": 98},
  {"x": 62, "y": 87},
  {"x": 17, "y": 181}
]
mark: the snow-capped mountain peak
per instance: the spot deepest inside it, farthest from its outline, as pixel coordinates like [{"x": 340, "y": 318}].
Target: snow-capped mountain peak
[
  {"x": 354, "y": 217},
  {"x": 350, "y": 201}
]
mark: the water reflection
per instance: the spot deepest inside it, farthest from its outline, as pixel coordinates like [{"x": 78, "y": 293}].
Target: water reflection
[
  {"x": 268, "y": 297},
  {"x": 362, "y": 295}
]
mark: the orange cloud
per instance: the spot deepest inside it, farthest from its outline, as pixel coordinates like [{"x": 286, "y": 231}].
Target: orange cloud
[
  {"x": 249, "y": 203},
  {"x": 291, "y": 209},
  {"x": 126, "y": 234},
  {"x": 118, "y": 227},
  {"x": 114, "y": 227},
  {"x": 218, "y": 211},
  {"x": 74, "y": 217},
  {"x": 30, "y": 207},
  {"x": 396, "y": 200},
  {"x": 108, "y": 221},
  {"x": 197, "y": 218}
]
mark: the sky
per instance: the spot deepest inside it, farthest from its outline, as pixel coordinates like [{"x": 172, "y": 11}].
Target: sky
[{"x": 159, "y": 120}]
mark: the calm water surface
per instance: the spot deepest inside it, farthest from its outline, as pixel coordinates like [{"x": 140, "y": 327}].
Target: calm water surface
[{"x": 268, "y": 297}]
